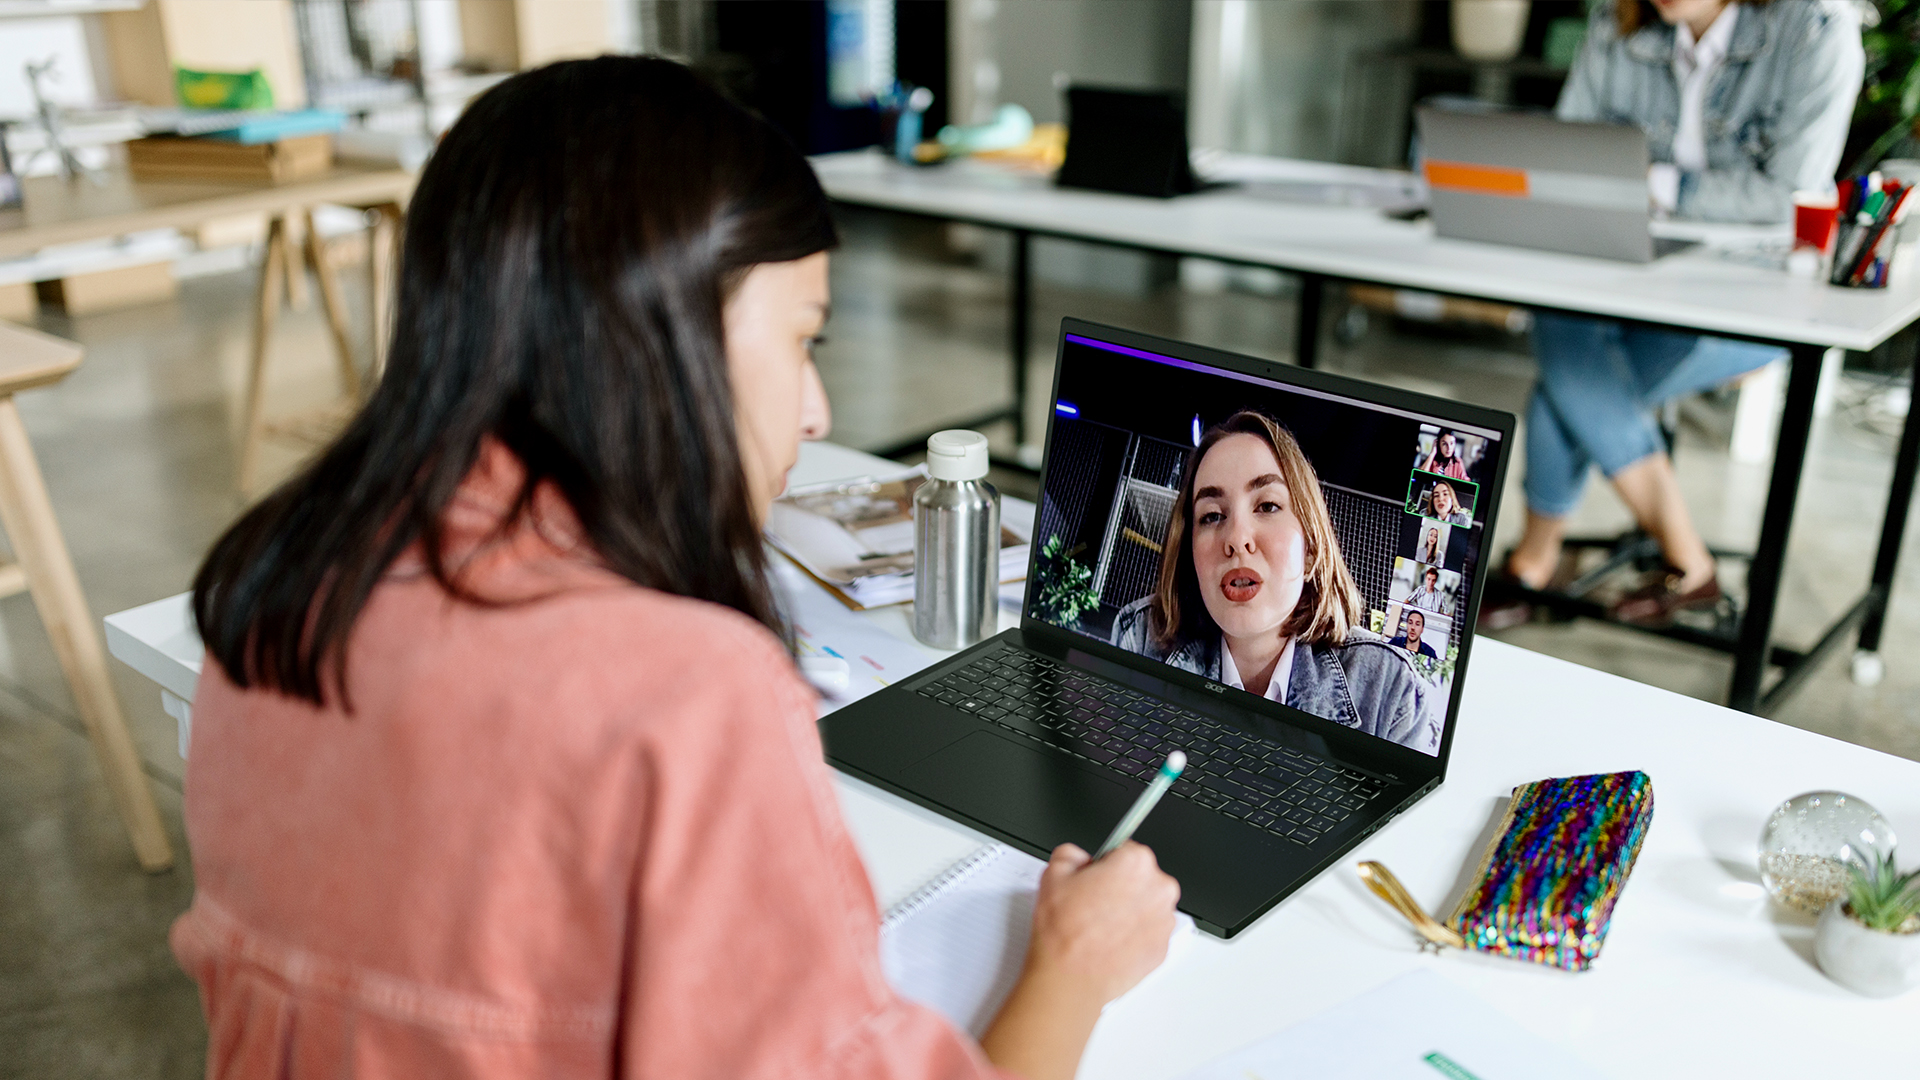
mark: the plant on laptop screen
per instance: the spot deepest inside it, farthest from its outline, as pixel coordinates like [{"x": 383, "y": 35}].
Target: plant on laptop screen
[
  {"x": 1437, "y": 669},
  {"x": 1064, "y": 586},
  {"x": 1879, "y": 897}
]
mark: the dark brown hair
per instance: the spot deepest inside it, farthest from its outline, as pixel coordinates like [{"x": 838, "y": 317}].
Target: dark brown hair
[
  {"x": 1631, "y": 15},
  {"x": 567, "y": 258},
  {"x": 1329, "y": 601}
]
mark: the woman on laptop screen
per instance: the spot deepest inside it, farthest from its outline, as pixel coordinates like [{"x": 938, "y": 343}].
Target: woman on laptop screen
[{"x": 1253, "y": 592}]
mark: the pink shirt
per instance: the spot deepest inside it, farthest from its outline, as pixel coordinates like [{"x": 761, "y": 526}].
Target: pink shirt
[{"x": 588, "y": 834}]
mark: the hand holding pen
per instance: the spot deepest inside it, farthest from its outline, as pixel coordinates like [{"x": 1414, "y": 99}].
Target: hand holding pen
[{"x": 1099, "y": 926}]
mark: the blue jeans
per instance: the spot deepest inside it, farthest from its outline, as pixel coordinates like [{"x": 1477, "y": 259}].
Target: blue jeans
[{"x": 1600, "y": 383}]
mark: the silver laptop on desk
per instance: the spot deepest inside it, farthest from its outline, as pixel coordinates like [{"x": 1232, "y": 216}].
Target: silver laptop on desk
[{"x": 1533, "y": 181}]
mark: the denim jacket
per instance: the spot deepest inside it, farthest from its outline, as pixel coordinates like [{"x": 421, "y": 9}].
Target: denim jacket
[
  {"x": 1365, "y": 684},
  {"x": 1776, "y": 111}
]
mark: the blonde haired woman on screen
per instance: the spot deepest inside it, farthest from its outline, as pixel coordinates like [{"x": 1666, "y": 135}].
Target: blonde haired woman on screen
[{"x": 1253, "y": 592}]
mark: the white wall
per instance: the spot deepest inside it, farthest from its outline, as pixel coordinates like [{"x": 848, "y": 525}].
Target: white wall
[
  {"x": 1025, "y": 51},
  {"x": 1270, "y": 76},
  {"x": 35, "y": 39}
]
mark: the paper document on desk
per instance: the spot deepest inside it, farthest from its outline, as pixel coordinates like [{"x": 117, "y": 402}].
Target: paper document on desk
[
  {"x": 958, "y": 944},
  {"x": 823, "y": 626},
  {"x": 1417, "y": 1027},
  {"x": 856, "y": 536}
]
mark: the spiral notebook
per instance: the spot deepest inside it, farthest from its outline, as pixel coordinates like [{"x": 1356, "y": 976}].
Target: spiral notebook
[{"x": 957, "y": 944}]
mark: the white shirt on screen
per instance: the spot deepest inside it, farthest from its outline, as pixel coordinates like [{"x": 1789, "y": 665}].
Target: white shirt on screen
[
  {"x": 1276, "y": 686},
  {"x": 1694, "y": 63}
]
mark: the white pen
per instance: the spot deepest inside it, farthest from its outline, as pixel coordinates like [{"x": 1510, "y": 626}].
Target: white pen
[{"x": 1169, "y": 772}]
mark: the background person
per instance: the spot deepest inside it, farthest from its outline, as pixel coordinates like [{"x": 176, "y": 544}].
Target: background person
[
  {"x": 1445, "y": 458},
  {"x": 1443, "y": 505},
  {"x": 1415, "y": 624},
  {"x": 500, "y": 767},
  {"x": 1428, "y": 596},
  {"x": 1743, "y": 104},
  {"x": 1253, "y": 592}
]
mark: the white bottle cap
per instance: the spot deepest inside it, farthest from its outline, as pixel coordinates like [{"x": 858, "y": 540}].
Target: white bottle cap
[{"x": 956, "y": 455}]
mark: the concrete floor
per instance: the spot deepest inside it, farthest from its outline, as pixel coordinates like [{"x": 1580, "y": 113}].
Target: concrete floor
[{"x": 139, "y": 451}]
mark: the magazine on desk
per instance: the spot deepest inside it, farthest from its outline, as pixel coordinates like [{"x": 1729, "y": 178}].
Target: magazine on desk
[{"x": 856, "y": 536}]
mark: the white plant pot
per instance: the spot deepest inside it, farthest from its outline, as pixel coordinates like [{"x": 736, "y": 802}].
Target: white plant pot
[
  {"x": 1870, "y": 962},
  {"x": 1491, "y": 30}
]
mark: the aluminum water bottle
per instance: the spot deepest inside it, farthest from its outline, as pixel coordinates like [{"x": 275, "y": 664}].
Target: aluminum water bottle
[{"x": 956, "y": 544}]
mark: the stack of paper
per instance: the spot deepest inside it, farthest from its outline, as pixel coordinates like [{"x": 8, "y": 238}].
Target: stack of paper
[
  {"x": 856, "y": 536},
  {"x": 1417, "y": 1027}
]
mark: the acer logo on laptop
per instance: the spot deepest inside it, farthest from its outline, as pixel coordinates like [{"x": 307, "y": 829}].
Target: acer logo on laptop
[{"x": 1216, "y": 688}]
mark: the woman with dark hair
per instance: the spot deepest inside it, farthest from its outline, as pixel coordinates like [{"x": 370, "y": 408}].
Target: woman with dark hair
[
  {"x": 1253, "y": 591},
  {"x": 499, "y": 767},
  {"x": 1445, "y": 458}
]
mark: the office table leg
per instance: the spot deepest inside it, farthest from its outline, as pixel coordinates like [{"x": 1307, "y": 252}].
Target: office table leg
[
  {"x": 334, "y": 305},
  {"x": 1776, "y": 524},
  {"x": 266, "y": 311},
  {"x": 1893, "y": 529},
  {"x": 386, "y": 229},
  {"x": 1306, "y": 330},
  {"x": 1019, "y": 320}
]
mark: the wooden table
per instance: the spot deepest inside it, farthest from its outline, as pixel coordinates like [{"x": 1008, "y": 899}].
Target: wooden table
[{"x": 64, "y": 212}]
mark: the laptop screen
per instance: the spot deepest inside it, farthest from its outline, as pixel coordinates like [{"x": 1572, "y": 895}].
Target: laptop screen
[{"x": 1313, "y": 549}]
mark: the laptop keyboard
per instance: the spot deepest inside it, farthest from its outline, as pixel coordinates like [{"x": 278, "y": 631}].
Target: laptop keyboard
[{"x": 1291, "y": 794}]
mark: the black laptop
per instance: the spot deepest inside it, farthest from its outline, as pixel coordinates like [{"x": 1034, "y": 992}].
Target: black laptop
[
  {"x": 1340, "y": 523},
  {"x": 1133, "y": 142}
]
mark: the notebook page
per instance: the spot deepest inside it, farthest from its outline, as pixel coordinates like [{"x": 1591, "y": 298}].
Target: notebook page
[{"x": 957, "y": 945}]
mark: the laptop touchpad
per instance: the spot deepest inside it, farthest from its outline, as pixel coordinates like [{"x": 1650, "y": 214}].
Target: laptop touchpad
[{"x": 1042, "y": 798}]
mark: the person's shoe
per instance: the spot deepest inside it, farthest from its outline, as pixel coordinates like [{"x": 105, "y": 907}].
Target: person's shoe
[
  {"x": 1504, "y": 614},
  {"x": 1656, "y": 603},
  {"x": 1504, "y": 605}
]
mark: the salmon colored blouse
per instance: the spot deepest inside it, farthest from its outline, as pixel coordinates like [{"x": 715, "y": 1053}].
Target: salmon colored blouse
[{"x": 589, "y": 833}]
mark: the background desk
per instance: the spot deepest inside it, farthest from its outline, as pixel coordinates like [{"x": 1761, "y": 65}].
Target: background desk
[
  {"x": 64, "y": 212},
  {"x": 1701, "y": 976},
  {"x": 1702, "y": 290},
  {"x": 115, "y": 204}
]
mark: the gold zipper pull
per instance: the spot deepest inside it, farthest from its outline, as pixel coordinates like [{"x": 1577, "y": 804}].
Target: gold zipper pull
[{"x": 1388, "y": 888}]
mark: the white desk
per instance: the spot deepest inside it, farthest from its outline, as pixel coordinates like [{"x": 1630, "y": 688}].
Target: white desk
[
  {"x": 1700, "y": 289},
  {"x": 1700, "y": 976},
  {"x": 1707, "y": 289}
]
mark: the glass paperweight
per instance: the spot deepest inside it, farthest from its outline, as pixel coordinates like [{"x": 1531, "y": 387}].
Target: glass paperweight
[{"x": 1808, "y": 842}]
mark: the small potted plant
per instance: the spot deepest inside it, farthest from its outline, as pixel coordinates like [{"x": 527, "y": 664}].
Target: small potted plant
[{"x": 1869, "y": 939}]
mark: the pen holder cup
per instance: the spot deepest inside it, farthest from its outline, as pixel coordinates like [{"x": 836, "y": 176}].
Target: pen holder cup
[{"x": 1866, "y": 257}]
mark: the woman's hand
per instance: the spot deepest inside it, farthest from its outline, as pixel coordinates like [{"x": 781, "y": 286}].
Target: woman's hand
[{"x": 1098, "y": 928}]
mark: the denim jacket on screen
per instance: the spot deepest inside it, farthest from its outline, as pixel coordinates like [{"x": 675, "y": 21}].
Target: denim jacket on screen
[
  {"x": 1776, "y": 111},
  {"x": 1365, "y": 684}
]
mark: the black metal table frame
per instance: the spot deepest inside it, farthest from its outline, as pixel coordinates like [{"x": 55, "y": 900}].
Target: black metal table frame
[{"x": 1750, "y": 644}]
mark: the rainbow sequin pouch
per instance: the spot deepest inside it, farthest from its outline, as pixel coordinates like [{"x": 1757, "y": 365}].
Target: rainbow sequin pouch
[{"x": 1547, "y": 886}]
